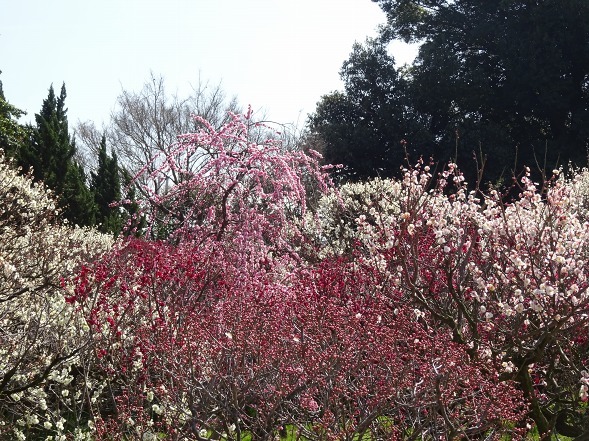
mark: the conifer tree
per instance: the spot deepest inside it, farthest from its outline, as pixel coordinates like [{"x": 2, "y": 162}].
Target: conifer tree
[
  {"x": 12, "y": 134},
  {"x": 51, "y": 155},
  {"x": 76, "y": 198},
  {"x": 106, "y": 189}
]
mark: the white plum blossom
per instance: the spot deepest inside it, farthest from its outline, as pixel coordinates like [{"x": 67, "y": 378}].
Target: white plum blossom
[{"x": 43, "y": 332}]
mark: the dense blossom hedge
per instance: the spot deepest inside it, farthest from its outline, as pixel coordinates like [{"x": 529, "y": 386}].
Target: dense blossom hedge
[
  {"x": 43, "y": 339},
  {"x": 385, "y": 310}
]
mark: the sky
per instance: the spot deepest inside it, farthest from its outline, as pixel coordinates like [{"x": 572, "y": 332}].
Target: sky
[{"x": 279, "y": 56}]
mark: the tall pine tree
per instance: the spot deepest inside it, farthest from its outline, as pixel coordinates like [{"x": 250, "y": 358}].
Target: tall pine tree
[
  {"x": 106, "y": 189},
  {"x": 51, "y": 154}
]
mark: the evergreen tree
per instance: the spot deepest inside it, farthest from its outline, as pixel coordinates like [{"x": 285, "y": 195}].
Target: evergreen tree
[
  {"x": 371, "y": 127},
  {"x": 51, "y": 149},
  {"x": 506, "y": 80},
  {"x": 50, "y": 153},
  {"x": 77, "y": 199},
  {"x": 106, "y": 189},
  {"x": 12, "y": 135},
  {"x": 508, "y": 76}
]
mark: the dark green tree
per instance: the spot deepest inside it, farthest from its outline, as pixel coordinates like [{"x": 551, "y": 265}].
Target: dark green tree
[
  {"x": 50, "y": 153},
  {"x": 76, "y": 199},
  {"x": 12, "y": 134},
  {"x": 371, "y": 126},
  {"x": 510, "y": 78},
  {"x": 505, "y": 81},
  {"x": 106, "y": 188},
  {"x": 51, "y": 149}
]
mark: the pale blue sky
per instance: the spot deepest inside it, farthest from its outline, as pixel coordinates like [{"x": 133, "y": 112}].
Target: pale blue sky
[{"x": 277, "y": 55}]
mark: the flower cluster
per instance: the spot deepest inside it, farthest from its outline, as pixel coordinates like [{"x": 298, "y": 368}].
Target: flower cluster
[
  {"x": 225, "y": 324},
  {"x": 341, "y": 216},
  {"x": 262, "y": 300},
  {"x": 42, "y": 336},
  {"x": 507, "y": 280}
]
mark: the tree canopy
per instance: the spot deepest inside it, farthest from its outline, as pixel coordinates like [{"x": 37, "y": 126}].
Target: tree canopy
[
  {"x": 365, "y": 127},
  {"x": 508, "y": 80}
]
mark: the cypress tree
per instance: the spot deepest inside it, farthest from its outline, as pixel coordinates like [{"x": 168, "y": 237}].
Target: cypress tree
[
  {"x": 51, "y": 154},
  {"x": 106, "y": 189},
  {"x": 77, "y": 201}
]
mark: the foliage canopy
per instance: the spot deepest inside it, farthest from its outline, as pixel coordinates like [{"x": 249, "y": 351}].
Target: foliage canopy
[{"x": 507, "y": 80}]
